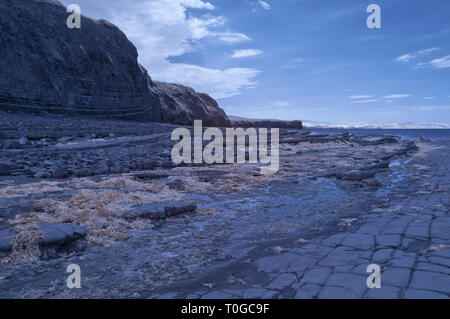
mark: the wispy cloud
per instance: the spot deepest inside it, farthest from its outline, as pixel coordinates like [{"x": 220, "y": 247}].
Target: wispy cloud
[
  {"x": 396, "y": 96},
  {"x": 359, "y": 97},
  {"x": 428, "y": 98},
  {"x": 245, "y": 53},
  {"x": 441, "y": 63},
  {"x": 411, "y": 56},
  {"x": 264, "y": 5},
  {"x": 366, "y": 101},
  {"x": 231, "y": 37}
]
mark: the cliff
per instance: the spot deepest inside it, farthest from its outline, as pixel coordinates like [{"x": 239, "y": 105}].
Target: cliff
[{"x": 93, "y": 71}]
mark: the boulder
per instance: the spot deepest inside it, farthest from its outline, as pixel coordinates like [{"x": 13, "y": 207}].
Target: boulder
[
  {"x": 60, "y": 172},
  {"x": 357, "y": 175},
  {"x": 161, "y": 210},
  {"x": 54, "y": 235},
  {"x": 5, "y": 168}
]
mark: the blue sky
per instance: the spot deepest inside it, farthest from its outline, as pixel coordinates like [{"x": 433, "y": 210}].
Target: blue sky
[{"x": 297, "y": 59}]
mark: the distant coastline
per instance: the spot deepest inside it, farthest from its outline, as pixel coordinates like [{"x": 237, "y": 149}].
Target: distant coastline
[{"x": 361, "y": 125}]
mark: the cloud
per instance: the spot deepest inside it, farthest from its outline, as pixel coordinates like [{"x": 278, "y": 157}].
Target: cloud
[
  {"x": 396, "y": 96},
  {"x": 165, "y": 28},
  {"x": 264, "y": 5},
  {"x": 410, "y": 56},
  {"x": 358, "y": 97},
  {"x": 441, "y": 63},
  {"x": 366, "y": 101},
  {"x": 428, "y": 98},
  {"x": 197, "y": 4},
  {"x": 230, "y": 37},
  {"x": 223, "y": 83},
  {"x": 245, "y": 53},
  {"x": 260, "y": 5}
]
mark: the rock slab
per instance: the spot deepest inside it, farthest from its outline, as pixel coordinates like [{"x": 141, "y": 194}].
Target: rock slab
[{"x": 161, "y": 210}]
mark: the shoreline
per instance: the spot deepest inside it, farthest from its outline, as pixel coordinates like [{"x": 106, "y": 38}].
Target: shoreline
[{"x": 250, "y": 236}]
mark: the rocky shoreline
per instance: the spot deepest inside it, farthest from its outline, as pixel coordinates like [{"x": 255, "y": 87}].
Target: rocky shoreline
[{"x": 106, "y": 196}]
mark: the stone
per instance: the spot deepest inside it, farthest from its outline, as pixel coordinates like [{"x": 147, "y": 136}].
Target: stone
[
  {"x": 6, "y": 236},
  {"x": 340, "y": 256},
  {"x": 149, "y": 164},
  {"x": 178, "y": 208},
  {"x": 272, "y": 264},
  {"x": 398, "y": 277},
  {"x": 357, "y": 175},
  {"x": 254, "y": 293},
  {"x": 440, "y": 227},
  {"x": 12, "y": 145},
  {"x": 299, "y": 263},
  {"x": 161, "y": 210},
  {"x": 42, "y": 174},
  {"x": 23, "y": 140},
  {"x": 55, "y": 235},
  {"x": 388, "y": 240},
  {"x": 60, "y": 234},
  {"x": 60, "y": 172},
  {"x": 359, "y": 241},
  {"x": 433, "y": 268},
  {"x": 283, "y": 280},
  {"x": 65, "y": 139},
  {"x": 5, "y": 167},
  {"x": 307, "y": 291},
  {"x": 355, "y": 284},
  {"x": 85, "y": 172},
  {"x": 316, "y": 276},
  {"x": 382, "y": 255},
  {"x": 431, "y": 281},
  {"x": 418, "y": 230}
]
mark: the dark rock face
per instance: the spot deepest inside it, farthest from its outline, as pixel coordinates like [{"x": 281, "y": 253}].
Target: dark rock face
[
  {"x": 182, "y": 105},
  {"x": 93, "y": 71},
  {"x": 49, "y": 67}
]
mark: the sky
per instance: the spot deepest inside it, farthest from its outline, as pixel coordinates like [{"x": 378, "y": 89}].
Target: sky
[{"x": 311, "y": 60}]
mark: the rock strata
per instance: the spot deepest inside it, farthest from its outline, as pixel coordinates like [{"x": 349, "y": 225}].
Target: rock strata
[{"x": 91, "y": 71}]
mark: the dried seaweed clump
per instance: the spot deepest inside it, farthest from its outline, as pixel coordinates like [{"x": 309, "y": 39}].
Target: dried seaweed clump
[
  {"x": 99, "y": 210},
  {"x": 31, "y": 189},
  {"x": 435, "y": 248},
  {"x": 24, "y": 245}
]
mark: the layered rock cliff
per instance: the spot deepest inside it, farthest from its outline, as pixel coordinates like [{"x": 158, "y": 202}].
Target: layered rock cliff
[{"x": 45, "y": 66}]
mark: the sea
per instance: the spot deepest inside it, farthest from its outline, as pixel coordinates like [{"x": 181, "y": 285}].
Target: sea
[{"x": 403, "y": 134}]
